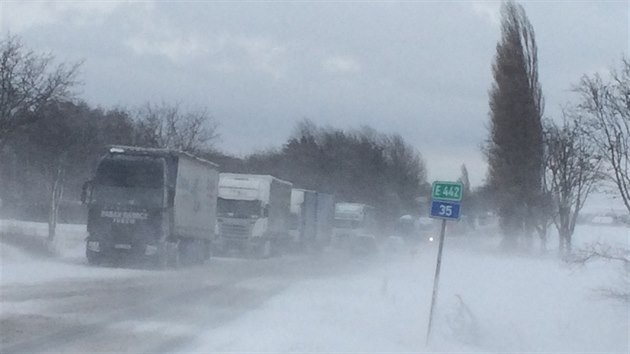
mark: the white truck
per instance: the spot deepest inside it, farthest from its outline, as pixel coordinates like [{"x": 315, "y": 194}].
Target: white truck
[
  {"x": 156, "y": 204},
  {"x": 312, "y": 216},
  {"x": 355, "y": 227},
  {"x": 253, "y": 214}
]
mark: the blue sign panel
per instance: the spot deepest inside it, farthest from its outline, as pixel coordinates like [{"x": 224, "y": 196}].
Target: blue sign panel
[{"x": 445, "y": 210}]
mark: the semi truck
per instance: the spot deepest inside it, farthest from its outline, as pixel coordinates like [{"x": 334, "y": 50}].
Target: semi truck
[
  {"x": 253, "y": 214},
  {"x": 355, "y": 227},
  {"x": 312, "y": 215},
  {"x": 153, "y": 204}
]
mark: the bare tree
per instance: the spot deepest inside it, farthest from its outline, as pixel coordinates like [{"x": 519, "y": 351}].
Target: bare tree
[
  {"x": 47, "y": 161},
  {"x": 598, "y": 251},
  {"x": 57, "y": 144},
  {"x": 573, "y": 168},
  {"x": 546, "y": 211},
  {"x": 605, "y": 107},
  {"x": 29, "y": 81},
  {"x": 167, "y": 126}
]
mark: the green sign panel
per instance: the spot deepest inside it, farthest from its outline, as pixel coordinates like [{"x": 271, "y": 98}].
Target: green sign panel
[{"x": 451, "y": 191}]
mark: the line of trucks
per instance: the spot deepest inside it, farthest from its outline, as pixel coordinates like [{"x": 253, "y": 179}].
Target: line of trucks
[{"x": 173, "y": 208}]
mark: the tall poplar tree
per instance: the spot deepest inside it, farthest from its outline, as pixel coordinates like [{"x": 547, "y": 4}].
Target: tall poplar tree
[{"x": 515, "y": 145}]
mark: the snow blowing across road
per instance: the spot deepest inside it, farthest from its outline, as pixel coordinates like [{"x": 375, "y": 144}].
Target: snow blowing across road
[
  {"x": 488, "y": 302},
  {"x": 18, "y": 266}
]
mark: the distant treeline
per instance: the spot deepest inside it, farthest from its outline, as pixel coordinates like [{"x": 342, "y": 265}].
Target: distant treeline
[
  {"x": 362, "y": 166},
  {"x": 58, "y": 153}
]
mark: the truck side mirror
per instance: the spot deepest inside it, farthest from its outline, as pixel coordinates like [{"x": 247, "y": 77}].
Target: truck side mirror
[
  {"x": 265, "y": 212},
  {"x": 86, "y": 192}
]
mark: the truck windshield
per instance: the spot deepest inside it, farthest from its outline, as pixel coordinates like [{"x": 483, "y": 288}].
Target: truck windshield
[
  {"x": 347, "y": 224},
  {"x": 238, "y": 208},
  {"x": 127, "y": 171},
  {"x": 131, "y": 180}
]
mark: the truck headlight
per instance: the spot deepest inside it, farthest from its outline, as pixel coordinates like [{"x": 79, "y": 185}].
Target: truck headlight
[{"x": 94, "y": 246}]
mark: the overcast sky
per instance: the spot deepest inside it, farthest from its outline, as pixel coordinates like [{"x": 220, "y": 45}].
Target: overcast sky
[{"x": 421, "y": 69}]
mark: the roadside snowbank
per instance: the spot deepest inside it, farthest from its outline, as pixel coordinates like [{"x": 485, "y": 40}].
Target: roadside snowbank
[
  {"x": 17, "y": 267},
  {"x": 69, "y": 240},
  {"x": 20, "y": 266}
]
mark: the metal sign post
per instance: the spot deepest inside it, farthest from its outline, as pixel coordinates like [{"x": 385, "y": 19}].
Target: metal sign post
[
  {"x": 436, "y": 279},
  {"x": 445, "y": 205}
]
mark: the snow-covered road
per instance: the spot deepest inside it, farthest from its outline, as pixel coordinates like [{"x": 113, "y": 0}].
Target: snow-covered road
[
  {"x": 488, "y": 302},
  {"x": 66, "y": 307}
]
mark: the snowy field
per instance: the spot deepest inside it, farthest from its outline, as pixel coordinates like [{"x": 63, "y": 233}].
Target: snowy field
[
  {"x": 604, "y": 203},
  {"x": 488, "y": 301}
]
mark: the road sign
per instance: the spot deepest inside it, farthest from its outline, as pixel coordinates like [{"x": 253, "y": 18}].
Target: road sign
[
  {"x": 451, "y": 191},
  {"x": 445, "y": 205},
  {"x": 445, "y": 210}
]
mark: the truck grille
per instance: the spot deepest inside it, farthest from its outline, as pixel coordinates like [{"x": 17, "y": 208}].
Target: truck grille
[
  {"x": 121, "y": 235},
  {"x": 234, "y": 230}
]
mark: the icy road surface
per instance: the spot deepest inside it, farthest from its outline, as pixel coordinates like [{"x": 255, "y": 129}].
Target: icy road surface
[
  {"x": 489, "y": 302},
  {"x": 142, "y": 311}
]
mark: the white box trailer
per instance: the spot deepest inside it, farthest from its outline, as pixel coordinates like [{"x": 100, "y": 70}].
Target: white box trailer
[
  {"x": 303, "y": 225},
  {"x": 312, "y": 215},
  {"x": 195, "y": 201},
  {"x": 253, "y": 213},
  {"x": 151, "y": 203}
]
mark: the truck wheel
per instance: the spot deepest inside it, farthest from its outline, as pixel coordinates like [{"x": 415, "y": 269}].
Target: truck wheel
[
  {"x": 93, "y": 258},
  {"x": 173, "y": 258},
  {"x": 278, "y": 247},
  {"x": 195, "y": 252},
  {"x": 207, "y": 250},
  {"x": 266, "y": 249},
  {"x": 184, "y": 251},
  {"x": 160, "y": 261},
  {"x": 201, "y": 252},
  {"x": 219, "y": 251},
  {"x": 191, "y": 252}
]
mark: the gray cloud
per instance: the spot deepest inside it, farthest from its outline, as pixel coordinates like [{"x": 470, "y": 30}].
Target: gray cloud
[{"x": 421, "y": 69}]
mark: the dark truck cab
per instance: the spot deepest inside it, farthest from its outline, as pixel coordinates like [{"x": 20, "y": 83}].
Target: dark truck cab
[{"x": 152, "y": 204}]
